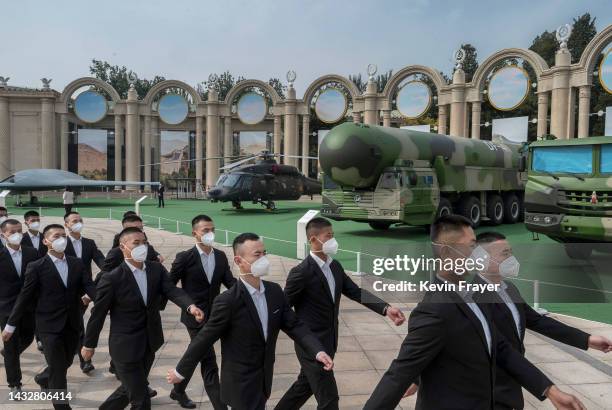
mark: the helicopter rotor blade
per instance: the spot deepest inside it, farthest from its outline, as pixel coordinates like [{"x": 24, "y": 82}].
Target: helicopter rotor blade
[
  {"x": 183, "y": 160},
  {"x": 237, "y": 163},
  {"x": 294, "y": 156}
]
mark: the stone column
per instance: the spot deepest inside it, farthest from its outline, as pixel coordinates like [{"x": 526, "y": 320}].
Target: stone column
[
  {"x": 199, "y": 148},
  {"x": 476, "y": 106},
  {"x": 64, "y": 141},
  {"x": 356, "y": 117},
  {"x": 227, "y": 139},
  {"x": 147, "y": 151},
  {"x": 457, "y": 117},
  {"x": 560, "y": 94},
  {"x": 5, "y": 138},
  {"x": 542, "y": 113},
  {"x": 291, "y": 138},
  {"x": 584, "y": 106},
  {"x": 442, "y": 119},
  {"x": 47, "y": 117},
  {"x": 212, "y": 138},
  {"x": 305, "y": 142},
  {"x": 386, "y": 118},
  {"x": 156, "y": 144},
  {"x": 132, "y": 140},
  {"x": 278, "y": 134},
  {"x": 371, "y": 110},
  {"x": 118, "y": 149}
]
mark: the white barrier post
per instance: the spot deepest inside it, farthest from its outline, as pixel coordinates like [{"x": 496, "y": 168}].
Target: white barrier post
[
  {"x": 226, "y": 237},
  {"x": 137, "y": 204},
  {"x": 178, "y": 228},
  {"x": 110, "y": 214},
  {"x": 301, "y": 232},
  {"x": 3, "y": 196},
  {"x": 536, "y": 298},
  {"x": 159, "y": 224},
  {"x": 40, "y": 210}
]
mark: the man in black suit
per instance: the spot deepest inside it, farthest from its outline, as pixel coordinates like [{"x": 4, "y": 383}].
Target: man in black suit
[
  {"x": 132, "y": 293},
  {"x": 247, "y": 319},
  {"x": 86, "y": 250},
  {"x": 314, "y": 288},
  {"x": 201, "y": 271},
  {"x": 33, "y": 238},
  {"x": 452, "y": 346},
  {"x": 512, "y": 316},
  {"x": 14, "y": 260},
  {"x": 55, "y": 285},
  {"x": 3, "y": 217}
]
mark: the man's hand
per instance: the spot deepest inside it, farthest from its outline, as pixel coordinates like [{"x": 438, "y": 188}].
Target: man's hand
[
  {"x": 196, "y": 312},
  {"x": 396, "y": 315},
  {"x": 6, "y": 336},
  {"x": 160, "y": 258},
  {"x": 600, "y": 343},
  {"x": 87, "y": 353},
  {"x": 327, "y": 361},
  {"x": 563, "y": 400},
  {"x": 172, "y": 378},
  {"x": 86, "y": 300},
  {"x": 413, "y": 388}
]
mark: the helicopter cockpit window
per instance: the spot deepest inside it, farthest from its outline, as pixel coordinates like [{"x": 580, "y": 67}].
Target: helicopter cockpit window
[
  {"x": 230, "y": 180},
  {"x": 389, "y": 180}
]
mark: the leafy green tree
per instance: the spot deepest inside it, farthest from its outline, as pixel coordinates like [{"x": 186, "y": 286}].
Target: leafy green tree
[
  {"x": 223, "y": 83},
  {"x": 278, "y": 86},
  {"x": 470, "y": 63},
  {"x": 358, "y": 81},
  {"x": 118, "y": 78}
]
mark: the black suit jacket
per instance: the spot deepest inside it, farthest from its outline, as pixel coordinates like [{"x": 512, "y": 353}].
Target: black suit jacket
[
  {"x": 308, "y": 292},
  {"x": 247, "y": 359},
  {"x": 133, "y": 324},
  {"x": 508, "y": 391},
  {"x": 446, "y": 347},
  {"x": 114, "y": 258},
  {"x": 90, "y": 253},
  {"x": 10, "y": 281},
  {"x": 187, "y": 268},
  {"x": 56, "y": 305},
  {"x": 26, "y": 241}
]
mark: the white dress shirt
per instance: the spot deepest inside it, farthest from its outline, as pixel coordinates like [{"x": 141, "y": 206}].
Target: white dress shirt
[
  {"x": 77, "y": 244},
  {"x": 325, "y": 268},
  {"x": 62, "y": 267},
  {"x": 259, "y": 300},
  {"x": 208, "y": 262},
  {"x": 68, "y": 197},
  {"x": 503, "y": 294},
  {"x": 16, "y": 256},
  {"x": 35, "y": 239},
  {"x": 141, "y": 279}
]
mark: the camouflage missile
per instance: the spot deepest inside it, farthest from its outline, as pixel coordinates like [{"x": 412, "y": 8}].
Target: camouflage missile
[{"x": 356, "y": 154}]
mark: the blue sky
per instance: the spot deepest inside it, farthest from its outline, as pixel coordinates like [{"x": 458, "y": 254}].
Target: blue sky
[{"x": 188, "y": 40}]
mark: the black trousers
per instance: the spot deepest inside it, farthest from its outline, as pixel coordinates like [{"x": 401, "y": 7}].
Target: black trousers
[
  {"x": 133, "y": 389},
  {"x": 313, "y": 379},
  {"x": 19, "y": 342},
  {"x": 210, "y": 375},
  {"x": 68, "y": 207},
  {"x": 59, "y": 350},
  {"x": 81, "y": 336},
  {"x": 160, "y": 202}
]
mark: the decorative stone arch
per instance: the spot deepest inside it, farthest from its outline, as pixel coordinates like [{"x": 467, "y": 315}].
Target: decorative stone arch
[
  {"x": 236, "y": 89},
  {"x": 157, "y": 88},
  {"x": 592, "y": 50},
  {"x": 398, "y": 77},
  {"x": 331, "y": 78},
  {"x": 84, "y": 81},
  {"x": 534, "y": 59}
]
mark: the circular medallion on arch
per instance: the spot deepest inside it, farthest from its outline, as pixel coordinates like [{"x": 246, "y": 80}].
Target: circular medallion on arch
[
  {"x": 413, "y": 99},
  {"x": 252, "y": 108},
  {"x": 605, "y": 72},
  {"x": 173, "y": 109},
  {"x": 90, "y": 106},
  {"x": 331, "y": 105},
  {"x": 508, "y": 88}
]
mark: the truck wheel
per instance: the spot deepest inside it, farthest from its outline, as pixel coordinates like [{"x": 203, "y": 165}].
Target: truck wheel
[
  {"x": 578, "y": 250},
  {"x": 470, "y": 208},
  {"x": 495, "y": 209},
  {"x": 379, "y": 226},
  {"x": 444, "y": 208},
  {"x": 512, "y": 209}
]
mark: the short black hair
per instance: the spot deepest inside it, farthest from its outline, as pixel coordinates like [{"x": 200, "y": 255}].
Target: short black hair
[
  {"x": 128, "y": 231},
  {"x": 4, "y": 224},
  {"x": 131, "y": 218},
  {"x": 51, "y": 226},
  {"x": 129, "y": 213},
  {"x": 490, "y": 236},
  {"x": 3, "y": 209},
  {"x": 448, "y": 223},
  {"x": 200, "y": 218},
  {"x": 242, "y": 238},
  {"x": 70, "y": 213},
  {"x": 316, "y": 223},
  {"x": 31, "y": 214}
]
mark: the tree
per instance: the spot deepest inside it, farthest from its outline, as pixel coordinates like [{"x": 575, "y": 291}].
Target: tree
[
  {"x": 278, "y": 86},
  {"x": 382, "y": 80},
  {"x": 470, "y": 62},
  {"x": 118, "y": 78},
  {"x": 222, "y": 83},
  {"x": 359, "y": 83}
]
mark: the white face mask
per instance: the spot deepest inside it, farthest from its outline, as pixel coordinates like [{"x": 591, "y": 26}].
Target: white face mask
[
  {"x": 510, "y": 267},
  {"x": 77, "y": 227},
  {"x": 3, "y": 218},
  {"x": 139, "y": 253},
  {"x": 208, "y": 239},
  {"x": 260, "y": 267},
  {"x": 330, "y": 246},
  {"x": 34, "y": 226},
  {"x": 15, "y": 239},
  {"x": 59, "y": 245}
]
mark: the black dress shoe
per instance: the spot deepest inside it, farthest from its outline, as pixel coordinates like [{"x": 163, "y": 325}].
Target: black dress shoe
[
  {"x": 87, "y": 367},
  {"x": 39, "y": 346},
  {"x": 182, "y": 399},
  {"x": 43, "y": 382},
  {"x": 15, "y": 390},
  {"x": 152, "y": 393}
]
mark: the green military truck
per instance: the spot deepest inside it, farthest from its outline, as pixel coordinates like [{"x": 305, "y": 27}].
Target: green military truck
[
  {"x": 568, "y": 195},
  {"x": 386, "y": 176}
]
